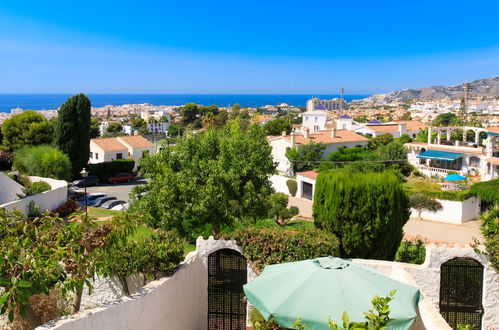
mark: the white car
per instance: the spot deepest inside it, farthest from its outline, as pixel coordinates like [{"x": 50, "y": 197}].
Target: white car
[{"x": 120, "y": 207}]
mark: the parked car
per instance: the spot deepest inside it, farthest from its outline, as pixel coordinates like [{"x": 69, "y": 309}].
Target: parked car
[
  {"x": 102, "y": 200},
  {"x": 90, "y": 199},
  {"x": 120, "y": 207},
  {"x": 75, "y": 194},
  {"x": 110, "y": 204},
  {"x": 121, "y": 177},
  {"x": 88, "y": 181}
]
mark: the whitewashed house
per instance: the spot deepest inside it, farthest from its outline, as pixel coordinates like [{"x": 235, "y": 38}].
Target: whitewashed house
[
  {"x": 396, "y": 129},
  {"x": 314, "y": 120}
]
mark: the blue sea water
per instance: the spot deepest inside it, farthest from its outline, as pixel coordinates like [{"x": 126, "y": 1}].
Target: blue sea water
[{"x": 53, "y": 101}]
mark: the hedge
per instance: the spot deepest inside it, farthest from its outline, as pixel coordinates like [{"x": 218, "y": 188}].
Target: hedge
[
  {"x": 266, "y": 246},
  {"x": 450, "y": 195},
  {"x": 487, "y": 191},
  {"x": 106, "y": 169}
]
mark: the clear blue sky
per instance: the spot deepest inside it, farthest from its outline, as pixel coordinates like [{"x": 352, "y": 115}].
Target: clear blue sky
[{"x": 271, "y": 46}]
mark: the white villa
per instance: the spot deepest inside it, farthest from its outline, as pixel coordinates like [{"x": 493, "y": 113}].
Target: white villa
[
  {"x": 468, "y": 158},
  {"x": 109, "y": 149},
  {"x": 396, "y": 129},
  {"x": 333, "y": 139}
]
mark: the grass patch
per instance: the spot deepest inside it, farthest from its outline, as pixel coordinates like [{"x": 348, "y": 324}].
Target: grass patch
[
  {"x": 421, "y": 184},
  {"x": 97, "y": 212}
]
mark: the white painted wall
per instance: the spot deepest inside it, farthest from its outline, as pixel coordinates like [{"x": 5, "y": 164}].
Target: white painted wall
[
  {"x": 454, "y": 212},
  {"x": 279, "y": 183},
  {"x": 300, "y": 179},
  {"x": 47, "y": 200},
  {"x": 10, "y": 189},
  {"x": 279, "y": 148}
]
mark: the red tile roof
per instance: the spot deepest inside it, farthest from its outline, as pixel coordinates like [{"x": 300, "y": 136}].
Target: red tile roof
[{"x": 309, "y": 174}]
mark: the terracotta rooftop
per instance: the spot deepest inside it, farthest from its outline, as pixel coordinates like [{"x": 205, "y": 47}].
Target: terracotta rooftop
[
  {"x": 493, "y": 129},
  {"x": 412, "y": 125},
  {"x": 493, "y": 160},
  {"x": 312, "y": 174},
  {"x": 109, "y": 144},
  {"x": 135, "y": 141}
]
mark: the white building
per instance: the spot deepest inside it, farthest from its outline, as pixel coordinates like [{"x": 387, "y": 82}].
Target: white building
[
  {"x": 158, "y": 127},
  {"x": 314, "y": 120},
  {"x": 396, "y": 129},
  {"x": 110, "y": 149},
  {"x": 317, "y": 104}
]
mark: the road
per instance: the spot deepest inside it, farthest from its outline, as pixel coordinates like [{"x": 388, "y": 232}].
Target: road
[{"x": 119, "y": 190}]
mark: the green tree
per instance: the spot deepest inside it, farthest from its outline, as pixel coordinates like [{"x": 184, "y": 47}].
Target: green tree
[
  {"x": 366, "y": 211},
  {"x": 115, "y": 128},
  {"x": 404, "y": 138},
  {"x": 94, "y": 128},
  {"x": 44, "y": 161},
  {"x": 72, "y": 134},
  {"x": 279, "y": 209},
  {"x": 138, "y": 123},
  {"x": 175, "y": 130},
  {"x": 444, "y": 119},
  {"x": 26, "y": 129},
  {"x": 379, "y": 140},
  {"x": 421, "y": 202},
  {"x": 306, "y": 157},
  {"x": 190, "y": 113},
  {"x": 277, "y": 126},
  {"x": 208, "y": 179}
]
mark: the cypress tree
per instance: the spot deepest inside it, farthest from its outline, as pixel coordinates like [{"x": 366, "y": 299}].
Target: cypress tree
[
  {"x": 72, "y": 132},
  {"x": 366, "y": 211}
]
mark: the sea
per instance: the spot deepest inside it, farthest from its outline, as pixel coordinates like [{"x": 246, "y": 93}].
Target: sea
[{"x": 54, "y": 101}]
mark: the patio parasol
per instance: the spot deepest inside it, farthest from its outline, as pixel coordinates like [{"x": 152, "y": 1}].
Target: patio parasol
[
  {"x": 454, "y": 177},
  {"x": 316, "y": 290}
]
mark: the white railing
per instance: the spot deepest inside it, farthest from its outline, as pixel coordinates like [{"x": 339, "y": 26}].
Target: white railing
[{"x": 433, "y": 170}]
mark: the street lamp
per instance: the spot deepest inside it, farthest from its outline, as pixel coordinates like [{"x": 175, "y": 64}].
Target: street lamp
[{"x": 84, "y": 174}]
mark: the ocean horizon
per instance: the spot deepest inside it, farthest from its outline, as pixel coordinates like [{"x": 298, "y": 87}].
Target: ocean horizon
[{"x": 54, "y": 101}]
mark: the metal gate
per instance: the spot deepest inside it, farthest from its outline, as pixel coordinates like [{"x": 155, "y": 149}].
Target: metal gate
[
  {"x": 307, "y": 190},
  {"x": 461, "y": 283},
  {"x": 226, "y": 301}
]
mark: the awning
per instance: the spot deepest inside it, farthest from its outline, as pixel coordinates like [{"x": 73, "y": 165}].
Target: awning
[{"x": 440, "y": 155}]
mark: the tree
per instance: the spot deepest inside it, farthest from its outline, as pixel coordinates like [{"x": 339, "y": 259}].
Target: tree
[
  {"x": 279, "y": 209},
  {"x": 379, "y": 140},
  {"x": 138, "y": 123},
  {"x": 306, "y": 157},
  {"x": 26, "y": 129},
  {"x": 72, "y": 134},
  {"x": 115, "y": 128},
  {"x": 190, "y": 113},
  {"x": 444, "y": 119},
  {"x": 208, "y": 179},
  {"x": 175, "y": 130},
  {"x": 366, "y": 211},
  {"x": 44, "y": 161},
  {"x": 277, "y": 126},
  {"x": 94, "y": 128},
  {"x": 404, "y": 138},
  {"x": 421, "y": 202}
]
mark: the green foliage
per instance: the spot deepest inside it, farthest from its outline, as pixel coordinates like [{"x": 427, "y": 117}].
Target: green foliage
[
  {"x": 36, "y": 188},
  {"x": 26, "y": 129},
  {"x": 175, "y": 130},
  {"x": 490, "y": 230},
  {"x": 34, "y": 210},
  {"x": 277, "y": 126},
  {"x": 412, "y": 252},
  {"x": 94, "y": 128},
  {"x": 444, "y": 119},
  {"x": 139, "y": 123},
  {"x": 448, "y": 195},
  {"x": 190, "y": 113},
  {"x": 115, "y": 128},
  {"x": 366, "y": 211},
  {"x": 208, "y": 178},
  {"x": 106, "y": 169},
  {"x": 306, "y": 157},
  {"x": 464, "y": 327},
  {"x": 379, "y": 141},
  {"x": 404, "y": 138},
  {"x": 267, "y": 246},
  {"x": 487, "y": 191},
  {"x": 422, "y": 202},
  {"x": 279, "y": 208},
  {"x": 44, "y": 161},
  {"x": 259, "y": 323},
  {"x": 292, "y": 186},
  {"x": 72, "y": 133}
]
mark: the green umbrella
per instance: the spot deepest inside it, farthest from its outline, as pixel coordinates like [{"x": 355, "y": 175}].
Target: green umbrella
[{"x": 316, "y": 290}]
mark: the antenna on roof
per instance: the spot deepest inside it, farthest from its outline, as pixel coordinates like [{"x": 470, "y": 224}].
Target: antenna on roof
[{"x": 342, "y": 91}]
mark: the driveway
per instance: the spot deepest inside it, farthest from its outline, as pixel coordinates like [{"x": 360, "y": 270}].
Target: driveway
[{"x": 119, "y": 190}]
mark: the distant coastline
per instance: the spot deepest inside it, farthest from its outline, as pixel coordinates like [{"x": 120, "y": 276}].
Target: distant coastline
[{"x": 53, "y": 101}]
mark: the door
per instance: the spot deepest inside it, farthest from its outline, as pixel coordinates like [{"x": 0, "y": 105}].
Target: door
[
  {"x": 461, "y": 284},
  {"x": 307, "y": 190},
  {"x": 226, "y": 301}
]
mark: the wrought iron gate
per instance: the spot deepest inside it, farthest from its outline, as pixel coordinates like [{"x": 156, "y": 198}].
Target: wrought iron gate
[
  {"x": 461, "y": 283},
  {"x": 226, "y": 301}
]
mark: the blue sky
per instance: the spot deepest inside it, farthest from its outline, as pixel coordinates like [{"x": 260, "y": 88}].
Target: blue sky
[{"x": 244, "y": 46}]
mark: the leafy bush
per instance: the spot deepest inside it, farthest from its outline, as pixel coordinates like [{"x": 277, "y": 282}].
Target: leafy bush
[
  {"x": 292, "y": 186},
  {"x": 490, "y": 230},
  {"x": 36, "y": 188},
  {"x": 266, "y": 246},
  {"x": 279, "y": 208},
  {"x": 421, "y": 202},
  {"x": 487, "y": 191},
  {"x": 44, "y": 161},
  {"x": 33, "y": 210},
  {"x": 366, "y": 211},
  {"x": 451, "y": 195},
  {"x": 259, "y": 323},
  {"x": 67, "y": 208},
  {"x": 412, "y": 252},
  {"x": 106, "y": 169}
]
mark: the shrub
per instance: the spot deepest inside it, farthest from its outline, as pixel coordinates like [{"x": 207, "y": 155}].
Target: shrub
[
  {"x": 366, "y": 211},
  {"x": 412, "y": 252},
  {"x": 490, "y": 231},
  {"x": 451, "y": 195},
  {"x": 67, "y": 208},
  {"x": 259, "y": 323},
  {"x": 279, "y": 208},
  {"x": 292, "y": 186},
  {"x": 266, "y": 246},
  {"x": 421, "y": 202},
  {"x": 487, "y": 191},
  {"x": 36, "y": 188},
  {"x": 44, "y": 161},
  {"x": 33, "y": 210},
  {"x": 106, "y": 169}
]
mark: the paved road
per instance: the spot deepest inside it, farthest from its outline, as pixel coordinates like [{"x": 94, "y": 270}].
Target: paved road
[
  {"x": 120, "y": 190},
  {"x": 431, "y": 230}
]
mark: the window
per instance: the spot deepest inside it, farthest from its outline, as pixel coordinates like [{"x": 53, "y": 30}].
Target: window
[
  {"x": 91, "y": 155},
  {"x": 96, "y": 156},
  {"x": 316, "y": 119},
  {"x": 119, "y": 156}
]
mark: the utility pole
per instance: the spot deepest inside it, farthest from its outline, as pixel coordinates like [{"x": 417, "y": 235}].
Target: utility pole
[{"x": 342, "y": 91}]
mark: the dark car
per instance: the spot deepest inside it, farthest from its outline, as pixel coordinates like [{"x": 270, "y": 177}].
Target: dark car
[
  {"x": 121, "y": 177},
  {"x": 90, "y": 198},
  {"x": 102, "y": 200},
  {"x": 88, "y": 181}
]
